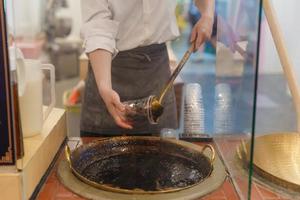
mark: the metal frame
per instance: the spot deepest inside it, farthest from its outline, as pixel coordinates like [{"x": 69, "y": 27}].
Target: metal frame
[{"x": 7, "y": 144}]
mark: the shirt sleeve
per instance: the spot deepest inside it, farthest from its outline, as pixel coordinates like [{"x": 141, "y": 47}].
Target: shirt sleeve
[{"x": 98, "y": 30}]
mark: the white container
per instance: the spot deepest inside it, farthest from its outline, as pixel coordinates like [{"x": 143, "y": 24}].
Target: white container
[{"x": 31, "y": 101}]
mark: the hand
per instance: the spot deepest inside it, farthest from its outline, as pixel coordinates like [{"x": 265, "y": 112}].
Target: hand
[
  {"x": 115, "y": 107},
  {"x": 202, "y": 31}
]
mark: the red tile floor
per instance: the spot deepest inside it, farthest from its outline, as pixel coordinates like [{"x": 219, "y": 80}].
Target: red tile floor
[{"x": 54, "y": 190}]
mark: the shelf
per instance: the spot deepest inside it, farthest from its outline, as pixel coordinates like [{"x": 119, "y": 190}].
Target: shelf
[{"x": 39, "y": 153}]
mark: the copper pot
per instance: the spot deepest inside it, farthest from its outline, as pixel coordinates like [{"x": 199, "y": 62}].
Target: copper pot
[{"x": 141, "y": 165}]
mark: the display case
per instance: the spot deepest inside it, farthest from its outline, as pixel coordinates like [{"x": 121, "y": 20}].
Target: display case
[
  {"x": 237, "y": 56},
  {"x": 275, "y": 148},
  {"x": 248, "y": 116},
  {"x": 257, "y": 101}
]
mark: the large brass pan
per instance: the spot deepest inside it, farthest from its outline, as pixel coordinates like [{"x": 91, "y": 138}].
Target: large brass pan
[
  {"x": 141, "y": 165},
  {"x": 276, "y": 158}
]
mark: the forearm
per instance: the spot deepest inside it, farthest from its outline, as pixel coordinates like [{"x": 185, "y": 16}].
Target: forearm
[
  {"x": 101, "y": 65},
  {"x": 206, "y": 8}
]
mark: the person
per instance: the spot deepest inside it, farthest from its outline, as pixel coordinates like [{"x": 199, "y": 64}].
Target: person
[{"x": 125, "y": 43}]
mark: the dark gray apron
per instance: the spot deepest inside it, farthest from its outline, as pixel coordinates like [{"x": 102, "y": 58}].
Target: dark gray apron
[{"x": 136, "y": 73}]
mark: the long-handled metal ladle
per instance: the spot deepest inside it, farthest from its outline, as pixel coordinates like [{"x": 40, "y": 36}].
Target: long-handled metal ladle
[{"x": 156, "y": 105}]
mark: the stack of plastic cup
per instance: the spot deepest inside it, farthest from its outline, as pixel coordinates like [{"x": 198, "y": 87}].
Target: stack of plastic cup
[
  {"x": 223, "y": 117},
  {"x": 193, "y": 110}
]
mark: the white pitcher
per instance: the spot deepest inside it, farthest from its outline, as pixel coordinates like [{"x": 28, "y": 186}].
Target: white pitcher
[{"x": 33, "y": 115}]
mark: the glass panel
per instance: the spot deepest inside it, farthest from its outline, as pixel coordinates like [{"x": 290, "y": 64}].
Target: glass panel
[
  {"x": 234, "y": 104},
  {"x": 14, "y": 57},
  {"x": 46, "y": 32},
  {"x": 276, "y": 150},
  {"x": 30, "y": 47},
  {"x": 43, "y": 32}
]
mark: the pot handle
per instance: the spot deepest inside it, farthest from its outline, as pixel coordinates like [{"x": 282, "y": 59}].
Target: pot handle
[
  {"x": 68, "y": 155},
  {"x": 213, "y": 153},
  {"x": 50, "y": 68},
  {"x": 21, "y": 74}
]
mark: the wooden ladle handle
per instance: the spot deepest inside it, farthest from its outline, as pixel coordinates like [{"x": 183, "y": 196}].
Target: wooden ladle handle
[{"x": 176, "y": 71}]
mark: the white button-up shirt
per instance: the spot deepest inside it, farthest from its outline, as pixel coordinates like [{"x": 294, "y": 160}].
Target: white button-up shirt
[{"x": 118, "y": 25}]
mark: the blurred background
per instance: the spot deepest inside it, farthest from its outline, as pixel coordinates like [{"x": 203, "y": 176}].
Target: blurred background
[{"x": 49, "y": 30}]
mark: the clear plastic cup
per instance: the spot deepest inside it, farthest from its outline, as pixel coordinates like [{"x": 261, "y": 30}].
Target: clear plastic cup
[{"x": 140, "y": 110}]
